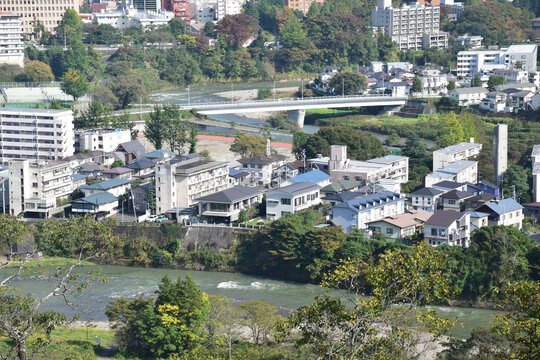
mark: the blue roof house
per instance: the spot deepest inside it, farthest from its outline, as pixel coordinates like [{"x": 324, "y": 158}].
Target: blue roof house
[
  {"x": 506, "y": 212},
  {"x": 102, "y": 205},
  {"x": 317, "y": 176},
  {"x": 357, "y": 213},
  {"x": 115, "y": 187}
]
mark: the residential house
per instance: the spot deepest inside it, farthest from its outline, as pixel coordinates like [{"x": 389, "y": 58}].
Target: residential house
[
  {"x": 506, "y": 212},
  {"x": 226, "y": 205},
  {"x": 453, "y": 153},
  {"x": 159, "y": 155},
  {"x": 179, "y": 182},
  {"x": 102, "y": 205},
  {"x": 514, "y": 87},
  {"x": 468, "y": 96},
  {"x": 337, "y": 198},
  {"x": 239, "y": 177},
  {"x": 371, "y": 189},
  {"x": 36, "y": 186},
  {"x": 117, "y": 173},
  {"x": 435, "y": 84},
  {"x": 140, "y": 198},
  {"x": 402, "y": 225},
  {"x": 78, "y": 180},
  {"x": 130, "y": 150},
  {"x": 426, "y": 199},
  {"x": 454, "y": 200},
  {"x": 90, "y": 169},
  {"x": 448, "y": 228},
  {"x": 142, "y": 167},
  {"x": 291, "y": 199},
  {"x": 520, "y": 100},
  {"x": 96, "y": 156},
  {"x": 339, "y": 187},
  {"x": 535, "y": 101},
  {"x": 478, "y": 219},
  {"x": 460, "y": 171},
  {"x": 314, "y": 176},
  {"x": 358, "y": 212},
  {"x": 115, "y": 187},
  {"x": 262, "y": 167},
  {"x": 489, "y": 188},
  {"x": 512, "y": 76},
  {"x": 478, "y": 200},
  {"x": 495, "y": 101},
  {"x": 450, "y": 185},
  {"x": 106, "y": 140}
]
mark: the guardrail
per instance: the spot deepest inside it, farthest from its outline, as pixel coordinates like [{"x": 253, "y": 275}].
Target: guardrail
[{"x": 230, "y": 226}]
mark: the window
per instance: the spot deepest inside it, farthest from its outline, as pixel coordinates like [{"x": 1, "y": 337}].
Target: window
[
  {"x": 285, "y": 201},
  {"x": 451, "y": 202},
  {"x": 433, "y": 232},
  {"x": 389, "y": 231}
]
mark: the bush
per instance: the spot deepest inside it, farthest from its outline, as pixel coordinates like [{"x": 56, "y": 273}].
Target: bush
[
  {"x": 160, "y": 258},
  {"x": 264, "y": 94},
  {"x": 209, "y": 259}
]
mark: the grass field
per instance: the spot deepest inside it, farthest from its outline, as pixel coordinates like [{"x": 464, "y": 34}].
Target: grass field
[{"x": 46, "y": 262}]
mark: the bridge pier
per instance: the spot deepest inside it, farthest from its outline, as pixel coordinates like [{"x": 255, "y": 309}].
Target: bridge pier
[{"x": 297, "y": 116}]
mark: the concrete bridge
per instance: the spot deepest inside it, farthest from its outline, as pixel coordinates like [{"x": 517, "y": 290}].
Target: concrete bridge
[{"x": 296, "y": 107}]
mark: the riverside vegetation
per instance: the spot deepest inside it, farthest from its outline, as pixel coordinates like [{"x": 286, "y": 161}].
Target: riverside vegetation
[{"x": 184, "y": 323}]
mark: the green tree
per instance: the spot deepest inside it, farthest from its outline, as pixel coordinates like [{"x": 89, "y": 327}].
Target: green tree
[
  {"x": 74, "y": 83},
  {"x": 352, "y": 83},
  {"x": 518, "y": 177},
  {"x": 209, "y": 29},
  {"x": 451, "y": 85},
  {"x": 260, "y": 318},
  {"x": 177, "y": 27},
  {"x": 292, "y": 32},
  {"x": 117, "y": 163},
  {"x": 416, "y": 85},
  {"x": 376, "y": 327},
  {"x": 495, "y": 80},
  {"x": 450, "y": 130},
  {"x": 11, "y": 232},
  {"x": 127, "y": 89},
  {"x": 37, "y": 71},
  {"x": 193, "y": 133},
  {"x": 314, "y": 9},
  {"x": 518, "y": 65},
  {"x": 360, "y": 145},
  {"x": 105, "y": 96},
  {"x": 415, "y": 150},
  {"x": 248, "y": 145},
  {"x": 476, "y": 81},
  {"x": 93, "y": 117},
  {"x": 224, "y": 321}
]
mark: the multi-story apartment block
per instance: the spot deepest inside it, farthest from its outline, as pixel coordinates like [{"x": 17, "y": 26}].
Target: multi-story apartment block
[
  {"x": 152, "y": 5},
  {"x": 180, "y": 9},
  {"x": 452, "y": 153},
  {"x": 358, "y": 212},
  {"x": 469, "y": 96},
  {"x": 39, "y": 134},
  {"x": 228, "y": 7},
  {"x": 11, "y": 46},
  {"x": 448, "y": 227},
  {"x": 460, "y": 171},
  {"x": 471, "y": 63},
  {"x": 106, "y": 140},
  {"x": 34, "y": 187},
  {"x": 412, "y": 27},
  {"x": 180, "y": 183},
  {"x": 48, "y": 12},
  {"x": 291, "y": 199},
  {"x": 339, "y": 167},
  {"x": 302, "y": 5},
  {"x": 262, "y": 167},
  {"x": 426, "y": 199}
]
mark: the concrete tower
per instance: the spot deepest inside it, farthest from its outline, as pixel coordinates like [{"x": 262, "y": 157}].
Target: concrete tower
[{"x": 500, "y": 151}]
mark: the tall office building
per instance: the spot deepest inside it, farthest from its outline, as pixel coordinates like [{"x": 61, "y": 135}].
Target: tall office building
[
  {"x": 500, "y": 151},
  {"x": 11, "y": 46},
  {"x": 38, "y": 134},
  {"x": 48, "y": 12},
  {"x": 412, "y": 27}
]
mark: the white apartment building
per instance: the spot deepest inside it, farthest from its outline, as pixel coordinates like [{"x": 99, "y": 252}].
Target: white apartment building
[
  {"x": 469, "y": 41},
  {"x": 48, "y": 12},
  {"x": 34, "y": 187},
  {"x": 291, "y": 199},
  {"x": 124, "y": 17},
  {"x": 448, "y": 227},
  {"x": 452, "y": 153},
  {"x": 106, "y": 140},
  {"x": 339, "y": 167},
  {"x": 426, "y": 199},
  {"x": 11, "y": 46},
  {"x": 39, "y": 134},
  {"x": 460, "y": 171},
  {"x": 228, "y": 7},
  {"x": 434, "y": 84},
  {"x": 469, "y": 96},
  {"x": 206, "y": 12},
  {"x": 471, "y": 63},
  {"x": 262, "y": 167},
  {"x": 412, "y": 27},
  {"x": 180, "y": 183},
  {"x": 358, "y": 212},
  {"x": 535, "y": 159}
]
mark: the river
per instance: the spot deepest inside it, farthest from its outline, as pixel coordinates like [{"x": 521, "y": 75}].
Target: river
[{"x": 131, "y": 281}]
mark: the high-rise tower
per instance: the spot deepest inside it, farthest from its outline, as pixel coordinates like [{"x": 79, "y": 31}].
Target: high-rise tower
[{"x": 500, "y": 151}]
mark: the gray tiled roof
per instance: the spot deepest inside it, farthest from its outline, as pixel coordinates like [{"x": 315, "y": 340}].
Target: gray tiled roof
[{"x": 232, "y": 195}]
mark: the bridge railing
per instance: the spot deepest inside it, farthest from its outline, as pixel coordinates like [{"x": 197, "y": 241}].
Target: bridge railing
[{"x": 321, "y": 99}]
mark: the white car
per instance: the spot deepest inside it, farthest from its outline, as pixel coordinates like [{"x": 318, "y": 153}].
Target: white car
[{"x": 152, "y": 218}]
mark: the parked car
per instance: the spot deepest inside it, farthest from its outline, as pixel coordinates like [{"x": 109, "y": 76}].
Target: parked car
[
  {"x": 161, "y": 218},
  {"x": 152, "y": 218}
]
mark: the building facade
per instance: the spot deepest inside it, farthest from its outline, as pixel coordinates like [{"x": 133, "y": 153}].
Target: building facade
[
  {"x": 11, "y": 46},
  {"x": 48, "y": 12},
  {"x": 291, "y": 199},
  {"x": 471, "y": 63},
  {"x": 225, "y": 206},
  {"x": 460, "y": 171},
  {"x": 453, "y": 153},
  {"x": 448, "y": 227},
  {"x": 412, "y": 27},
  {"x": 180, "y": 183},
  {"x": 105, "y": 139},
  {"x": 34, "y": 187},
  {"x": 301, "y": 5},
  {"x": 500, "y": 151},
  {"x": 37, "y": 134}
]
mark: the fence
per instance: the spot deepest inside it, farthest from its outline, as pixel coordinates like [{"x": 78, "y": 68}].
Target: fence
[
  {"x": 232, "y": 226},
  {"x": 28, "y": 84}
]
